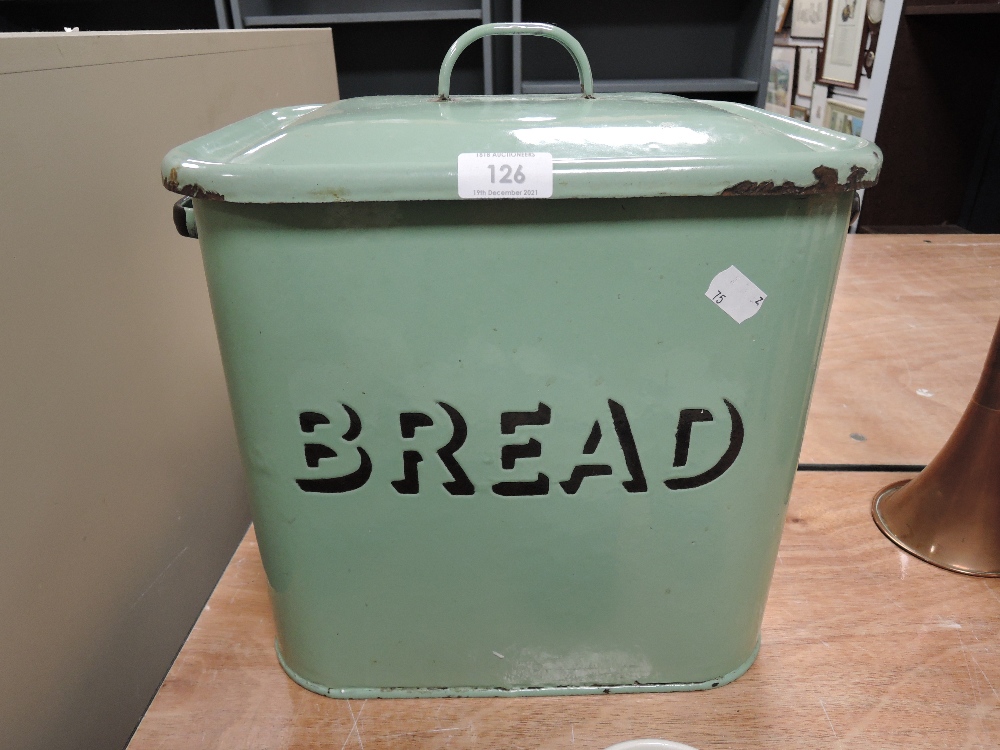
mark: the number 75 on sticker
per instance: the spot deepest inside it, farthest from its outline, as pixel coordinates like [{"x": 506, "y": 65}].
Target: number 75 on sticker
[
  {"x": 735, "y": 294},
  {"x": 505, "y": 175}
]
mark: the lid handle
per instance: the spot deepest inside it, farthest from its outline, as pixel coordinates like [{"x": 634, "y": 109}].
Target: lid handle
[{"x": 509, "y": 29}]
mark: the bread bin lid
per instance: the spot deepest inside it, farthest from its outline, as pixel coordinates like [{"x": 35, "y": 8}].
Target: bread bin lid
[{"x": 406, "y": 148}]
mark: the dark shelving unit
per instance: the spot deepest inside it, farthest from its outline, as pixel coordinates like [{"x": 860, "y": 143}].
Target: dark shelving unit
[
  {"x": 111, "y": 15},
  {"x": 717, "y": 50},
  {"x": 386, "y": 46}
]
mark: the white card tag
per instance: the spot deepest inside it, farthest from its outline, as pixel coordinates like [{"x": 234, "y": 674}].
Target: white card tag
[
  {"x": 738, "y": 297},
  {"x": 498, "y": 176}
]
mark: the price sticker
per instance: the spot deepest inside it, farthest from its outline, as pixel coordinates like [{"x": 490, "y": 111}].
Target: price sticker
[
  {"x": 499, "y": 176},
  {"x": 735, "y": 294}
]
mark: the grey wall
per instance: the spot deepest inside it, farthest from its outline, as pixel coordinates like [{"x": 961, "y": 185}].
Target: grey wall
[{"x": 121, "y": 491}]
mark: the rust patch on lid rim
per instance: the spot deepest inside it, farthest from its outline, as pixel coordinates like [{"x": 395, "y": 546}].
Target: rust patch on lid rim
[
  {"x": 331, "y": 194},
  {"x": 172, "y": 184},
  {"x": 854, "y": 180},
  {"x": 826, "y": 182}
]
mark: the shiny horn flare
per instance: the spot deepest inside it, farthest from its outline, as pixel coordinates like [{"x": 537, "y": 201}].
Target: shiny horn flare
[{"x": 949, "y": 515}]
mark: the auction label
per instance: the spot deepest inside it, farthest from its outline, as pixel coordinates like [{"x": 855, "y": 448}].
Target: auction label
[
  {"x": 511, "y": 175},
  {"x": 735, "y": 294}
]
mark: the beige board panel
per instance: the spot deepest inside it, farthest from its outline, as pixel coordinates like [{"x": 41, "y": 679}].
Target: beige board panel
[
  {"x": 122, "y": 491},
  {"x": 53, "y": 50}
]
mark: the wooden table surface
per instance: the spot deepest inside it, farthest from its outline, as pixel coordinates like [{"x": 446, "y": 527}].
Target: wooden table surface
[
  {"x": 863, "y": 646},
  {"x": 911, "y": 322}
]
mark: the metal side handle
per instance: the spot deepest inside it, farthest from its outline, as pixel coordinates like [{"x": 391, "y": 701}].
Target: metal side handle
[{"x": 184, "y": 218}]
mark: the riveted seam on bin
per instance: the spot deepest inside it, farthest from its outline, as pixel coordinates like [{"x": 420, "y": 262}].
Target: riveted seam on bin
[{"x": 827, "y": 181}]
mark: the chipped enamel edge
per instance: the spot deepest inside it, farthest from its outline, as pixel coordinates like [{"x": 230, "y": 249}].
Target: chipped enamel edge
[{"x": 480, "y": 692}]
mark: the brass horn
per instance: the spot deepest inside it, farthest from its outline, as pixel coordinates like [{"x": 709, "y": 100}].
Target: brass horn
[{"x": 949, "y": 514}]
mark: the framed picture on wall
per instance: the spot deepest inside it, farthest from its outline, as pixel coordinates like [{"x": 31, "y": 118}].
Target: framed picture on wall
[
  {"x": 817, "y": 107},
  {"x": 800, "y": 113},
  {"x": 844, "y": 117},
  {"x": 779, "y": 22},
  {"x": 806, "y": 76},
  {"x": 840, "y": 63},
  {"x": 809, "y": 18},
  {"x": 781, "y": 80}
]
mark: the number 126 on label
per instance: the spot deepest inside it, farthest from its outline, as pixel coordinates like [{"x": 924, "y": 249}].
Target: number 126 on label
[{"x": 504, "y": 176}]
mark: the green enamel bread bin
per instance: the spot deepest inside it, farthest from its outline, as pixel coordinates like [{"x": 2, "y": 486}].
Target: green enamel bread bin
[{"x": 520, "y": 381}]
